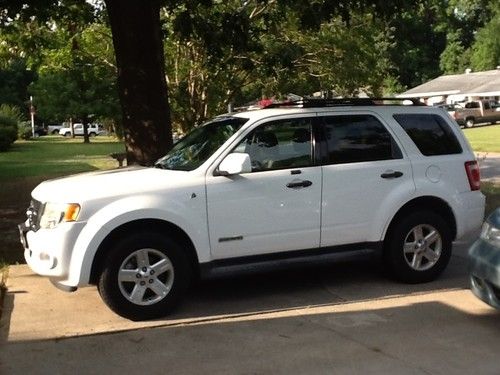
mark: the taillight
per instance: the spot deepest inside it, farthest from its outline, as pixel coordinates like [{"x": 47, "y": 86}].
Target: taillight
[{"x": 472, "y": 169}]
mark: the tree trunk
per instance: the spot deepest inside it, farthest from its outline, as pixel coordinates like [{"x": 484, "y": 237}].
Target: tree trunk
[
  {"x": 138, "y": 44},
  {"x": 85, "y": 120}
]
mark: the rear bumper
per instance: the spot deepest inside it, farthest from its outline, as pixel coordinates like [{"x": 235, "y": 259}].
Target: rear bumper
[{"x": 471, "y": 215}]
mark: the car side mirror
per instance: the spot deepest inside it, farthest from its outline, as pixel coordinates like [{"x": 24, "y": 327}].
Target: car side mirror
[{"x": 235, "y": 163}]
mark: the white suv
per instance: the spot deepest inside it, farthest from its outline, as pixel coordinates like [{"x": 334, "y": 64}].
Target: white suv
[
  {"x": 318, "y": 179},
  {"x": 92, "y": 130}
]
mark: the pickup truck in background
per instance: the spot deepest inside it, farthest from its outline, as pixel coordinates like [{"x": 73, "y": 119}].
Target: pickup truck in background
[
  {"x": 54, "y": 129},
  {"x": 92, "y": 129},
  {"x": 477, "y": 111}
]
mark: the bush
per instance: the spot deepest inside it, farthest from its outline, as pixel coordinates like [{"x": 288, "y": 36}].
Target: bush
[
  {"x": 24, "y": 130},
  {"x": 10, "y": 116},
  {"x": 7, "y": 137}
]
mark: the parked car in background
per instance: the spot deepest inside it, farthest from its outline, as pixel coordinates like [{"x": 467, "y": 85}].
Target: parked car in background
[
  {"x": 39, "y": 131},
  {"x": 477, "y": 111},
  {"x": 54, "y": 129},
  {"x": 484, "y": 262},
  {"x": 92, "y": 129}
]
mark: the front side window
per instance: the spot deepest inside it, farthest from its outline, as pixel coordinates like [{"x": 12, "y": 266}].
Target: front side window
[
  {"x": 358, "y": 138},
  {"x": 196, "y": 147},
  {"x": 430, "y": 133},
  {"x": 279, "y": 145}
]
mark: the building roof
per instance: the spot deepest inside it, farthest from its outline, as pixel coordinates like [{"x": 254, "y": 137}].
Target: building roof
[{"x": 474, "y": 84}]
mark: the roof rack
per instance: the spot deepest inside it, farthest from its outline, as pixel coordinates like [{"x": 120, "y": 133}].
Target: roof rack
[{"x": 313, "y": 102}]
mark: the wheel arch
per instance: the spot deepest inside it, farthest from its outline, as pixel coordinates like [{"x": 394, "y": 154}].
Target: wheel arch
[
  {"x": 429, "y": 203},
  {"x": 157, "y": 225}
]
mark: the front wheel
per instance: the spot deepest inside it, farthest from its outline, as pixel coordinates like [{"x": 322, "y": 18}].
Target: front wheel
[
  {"x": 418, "y": 247},
  {"x": 144, "y": 276},
  {"x": 469, "y": 123}
]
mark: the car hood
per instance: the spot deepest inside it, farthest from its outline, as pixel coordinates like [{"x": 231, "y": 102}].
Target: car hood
[{"x": 115, "y": 183}]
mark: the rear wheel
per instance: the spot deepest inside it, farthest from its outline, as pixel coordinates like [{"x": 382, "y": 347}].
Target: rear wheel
[
  {"x": 92, "y": 134},
  {"x": 67, "y": 134},
  {"x": 469, "y": 123},
  {"x": 418, "y": 247},
  {"x": 144, "y": 276}
]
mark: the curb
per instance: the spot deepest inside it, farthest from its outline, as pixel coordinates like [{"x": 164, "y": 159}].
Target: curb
[{"x": 3, "y": 287}]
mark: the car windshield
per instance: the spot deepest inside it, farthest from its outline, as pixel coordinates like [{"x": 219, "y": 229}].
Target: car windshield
[{"x": 196, "y": 147}]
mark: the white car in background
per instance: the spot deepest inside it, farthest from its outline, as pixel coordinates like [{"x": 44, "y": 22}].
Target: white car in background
[{"x": 92, "y": 129}]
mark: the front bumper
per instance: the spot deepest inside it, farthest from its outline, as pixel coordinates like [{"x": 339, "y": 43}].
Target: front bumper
[
  {"x": 484, "y": 272},
  {"x": 48, "y": 251}
]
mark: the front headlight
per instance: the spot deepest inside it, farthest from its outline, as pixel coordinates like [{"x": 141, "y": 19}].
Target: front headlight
[
  {"x": 491, "y": 234},
  {"x": 55, "y": 213}
]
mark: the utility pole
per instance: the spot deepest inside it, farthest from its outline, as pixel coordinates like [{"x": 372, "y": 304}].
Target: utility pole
[{"x": 32, "y": 114}]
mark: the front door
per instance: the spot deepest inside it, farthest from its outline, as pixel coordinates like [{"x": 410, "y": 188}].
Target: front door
[{"x": 274, "y": 208}]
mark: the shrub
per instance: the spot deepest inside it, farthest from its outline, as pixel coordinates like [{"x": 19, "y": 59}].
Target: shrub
[
  {"x": 24, "y": 130},
  {"x": 10, "y": 116},
  {"x": 8, "y": 132}
]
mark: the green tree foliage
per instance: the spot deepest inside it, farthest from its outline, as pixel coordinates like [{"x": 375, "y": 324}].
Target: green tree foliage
[
  {"x": 215, "y": 53},
  {"x": 277, "y": 53},
  {"x": 78, "y": 83},
  {"x": 486, "y": 47},
  {"x": 470, "y": 44},
  {"x": 455, "y": 57},
  {"x": 14, "y": 80}
]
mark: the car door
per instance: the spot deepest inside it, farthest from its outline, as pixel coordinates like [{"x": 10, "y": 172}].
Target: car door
[
  {"x": 274, "y": 208},
  {"x": 365, "y": 176}
]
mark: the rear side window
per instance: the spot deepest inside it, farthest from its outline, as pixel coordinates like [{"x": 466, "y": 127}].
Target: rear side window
[
  {"x": 430, "y": 133},
  {"x": 358, "y": 138}
]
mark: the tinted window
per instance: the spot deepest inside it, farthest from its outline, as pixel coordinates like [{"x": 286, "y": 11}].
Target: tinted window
[
  {"x": 472, "y": 105},
  {"x": 358, "y": 138},
  {"x": 487, "y": 105},
  {"x": 431, "y": 133},
  {"x": 279, "y": 145}
]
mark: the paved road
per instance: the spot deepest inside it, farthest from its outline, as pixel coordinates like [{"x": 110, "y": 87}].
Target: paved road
[{"x": 342, "y": 319}]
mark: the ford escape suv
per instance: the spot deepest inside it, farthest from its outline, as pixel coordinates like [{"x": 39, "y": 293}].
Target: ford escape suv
[{"x": 314, "y": 178}]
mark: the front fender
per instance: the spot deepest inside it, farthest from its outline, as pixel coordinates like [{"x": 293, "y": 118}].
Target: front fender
[{"x": 184, "y": 213}]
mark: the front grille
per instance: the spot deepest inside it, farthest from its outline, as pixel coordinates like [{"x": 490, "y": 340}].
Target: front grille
[{"x": 34, "y": 213}]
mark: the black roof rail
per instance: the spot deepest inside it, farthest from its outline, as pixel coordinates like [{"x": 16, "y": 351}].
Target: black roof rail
[{"x": 314, "y": 102}]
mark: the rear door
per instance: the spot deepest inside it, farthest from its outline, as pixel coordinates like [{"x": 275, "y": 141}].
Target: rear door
[{"x": 365, "y": 174}]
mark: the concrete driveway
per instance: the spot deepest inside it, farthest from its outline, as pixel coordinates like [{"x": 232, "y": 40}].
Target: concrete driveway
[{"x": 342, "y": 319}]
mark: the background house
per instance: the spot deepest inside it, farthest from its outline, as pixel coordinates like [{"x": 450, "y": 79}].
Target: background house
[{"x": 458, "y": 87}]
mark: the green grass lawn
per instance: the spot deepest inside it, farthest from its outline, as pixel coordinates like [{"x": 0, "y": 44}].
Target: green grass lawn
[
  {"x": 484, "y": 138},
  {"x": 56, "y": 155}
]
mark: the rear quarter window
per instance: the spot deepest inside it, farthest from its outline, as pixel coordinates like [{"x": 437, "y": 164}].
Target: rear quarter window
[{"x": 430, "y": 133}]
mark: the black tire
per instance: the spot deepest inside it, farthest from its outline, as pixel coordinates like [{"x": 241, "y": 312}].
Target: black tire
[
  {"x": 469, "y": 122},
  {"x": 67, "y": 134},
  {"x": 92, "y": 134},
  {"x": 158, "y": 246},
  {"x": 404, "y": 232},
  {"x": 55, "y": 132}
]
